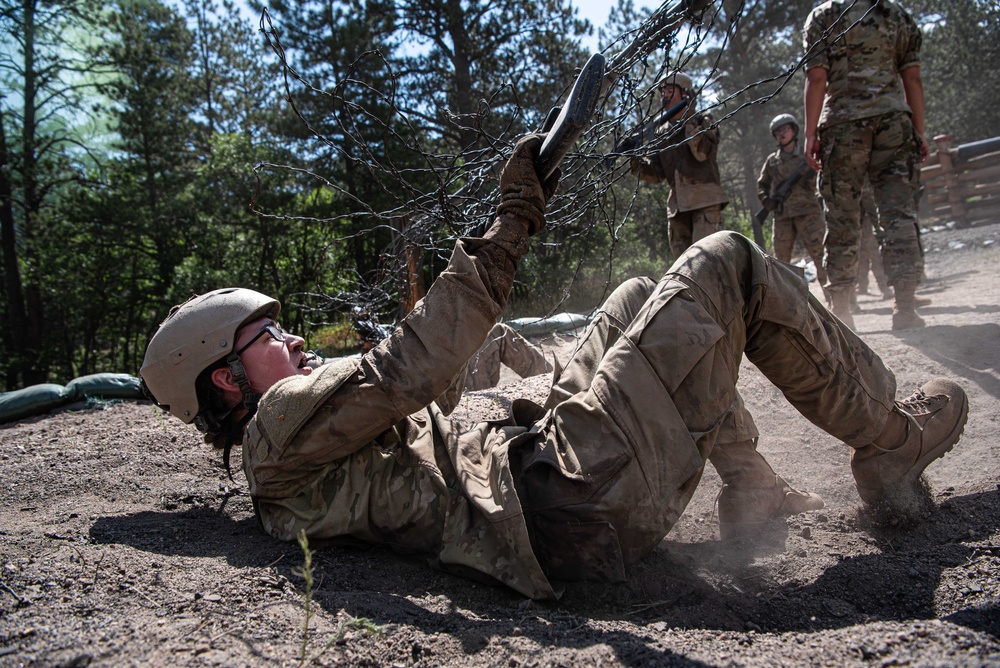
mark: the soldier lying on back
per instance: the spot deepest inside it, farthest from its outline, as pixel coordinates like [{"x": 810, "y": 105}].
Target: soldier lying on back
[{"x": 578, "y": 488}]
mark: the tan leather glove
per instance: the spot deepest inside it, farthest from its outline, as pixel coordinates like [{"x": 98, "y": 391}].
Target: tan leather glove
[{"x": 522, "y": 194}]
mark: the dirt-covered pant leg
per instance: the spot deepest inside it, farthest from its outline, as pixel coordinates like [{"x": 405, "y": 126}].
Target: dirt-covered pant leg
[
  {"x": 611, "y": 319},
  {"x": 686, "y": 227},
  {"x": 883, "y": 149},
  {"x": 505, "y": 347},
  {"x": 735, "y": 452},
  {"x": 621, "y": 458}
]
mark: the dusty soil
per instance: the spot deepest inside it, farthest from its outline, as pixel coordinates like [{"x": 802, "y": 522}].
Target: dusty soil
[{"x": 123, "y": 542}]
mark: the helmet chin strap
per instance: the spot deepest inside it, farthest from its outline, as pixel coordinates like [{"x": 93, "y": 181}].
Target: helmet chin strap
[
  {"x": 250, "y": 398},
  {"x": 793, "y": 140},
  {"x": 208, "y": 421}
]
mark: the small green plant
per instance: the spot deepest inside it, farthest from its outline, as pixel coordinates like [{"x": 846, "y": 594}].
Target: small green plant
[
  {"x": 158, "y": 414},
  {"x": 345, "y": 625},
  {"x": 357, "y": 624},
  {"x": 306, "y": 572}
]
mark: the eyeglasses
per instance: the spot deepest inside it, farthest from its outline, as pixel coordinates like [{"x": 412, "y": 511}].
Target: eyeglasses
[{"x": 272, "y": 330}]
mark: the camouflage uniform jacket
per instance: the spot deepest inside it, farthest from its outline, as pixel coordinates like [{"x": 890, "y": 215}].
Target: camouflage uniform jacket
[
  {"x": 690, "y": 169},
  {"x": 802, "y": 199},
  {"x": 859, "y": 85},
  {"x": 359, "y": 450}
]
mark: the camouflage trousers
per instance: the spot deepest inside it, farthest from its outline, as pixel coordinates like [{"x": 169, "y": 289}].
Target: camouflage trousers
[
  {"x": 810, "y": 228},
  {"x": 650, "y": 393},
  {"x": 869, "y": 257},
  {"x": 686, "y": 227},
  {"x": 504, "y": 347},
  {"x": 885, "y": 150}
]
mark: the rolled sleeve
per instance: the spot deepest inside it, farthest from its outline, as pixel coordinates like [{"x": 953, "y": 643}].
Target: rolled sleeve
[
  {"x": 814, "y": 44},
  {"x": 910, "y": 42}
]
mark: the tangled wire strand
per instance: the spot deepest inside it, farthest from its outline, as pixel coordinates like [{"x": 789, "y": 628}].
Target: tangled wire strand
[{"x": 596, "y": 188}]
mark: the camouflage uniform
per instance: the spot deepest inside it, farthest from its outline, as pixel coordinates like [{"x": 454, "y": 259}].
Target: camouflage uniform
[
  {"x": 691, "y": 169},
  {"x": 869, "y": 258},
  {"x": 592, "y": 481},
  {"x": 865, "y": 131},
  {"x": 504, "y": 347},
  {"x": 800, "y": 214}
]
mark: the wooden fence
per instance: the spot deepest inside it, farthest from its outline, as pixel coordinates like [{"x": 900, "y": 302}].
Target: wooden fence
[{"x": 962, "y": 183}]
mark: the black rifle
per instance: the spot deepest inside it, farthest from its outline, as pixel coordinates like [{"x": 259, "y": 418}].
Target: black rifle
[
  {"x": 566, "y": 123},
  {"x": 779, "y": 196},
  {"x": 638, "y": 137}
]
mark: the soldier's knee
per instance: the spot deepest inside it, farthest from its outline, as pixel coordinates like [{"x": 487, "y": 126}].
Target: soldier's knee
[
  {"x": 725, "y": 256},
  {"x": 726, "y": 243},
  {"x": 626, "y": 300}
]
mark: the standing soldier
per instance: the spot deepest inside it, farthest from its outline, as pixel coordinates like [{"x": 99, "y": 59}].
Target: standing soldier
[
  {"x": 868, "y": 256},
  {"x": 787, "y": 188},
  {"x": 689, "y": 166},
  {"x": 864, "y": 96}
]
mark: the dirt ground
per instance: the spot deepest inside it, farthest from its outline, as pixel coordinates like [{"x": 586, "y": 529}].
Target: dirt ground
[{"x": 123, "y": 542}]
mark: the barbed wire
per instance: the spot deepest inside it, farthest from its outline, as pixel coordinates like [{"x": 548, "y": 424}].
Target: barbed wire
[{"x": 439, "y": 196}]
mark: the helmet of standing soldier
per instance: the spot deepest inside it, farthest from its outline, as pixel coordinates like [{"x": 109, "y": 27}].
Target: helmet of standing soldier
[
  {"x": 196, "y": 335},
  {"x": 676, "y": 78},
  {"x": 784, "y": 119}
]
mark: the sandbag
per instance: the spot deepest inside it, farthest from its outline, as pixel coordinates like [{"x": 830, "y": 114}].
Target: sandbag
[
  {"x": 104, "y": 386},
  {"x": 555, "y": 323},
  {"x": 32, "y": 400}
]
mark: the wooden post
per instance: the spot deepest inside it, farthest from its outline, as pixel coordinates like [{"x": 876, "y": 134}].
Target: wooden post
[
  {"x": 414, "y": 277},
  {"x": 956, "y": 199},
  {"x": 410, "y": 256}
]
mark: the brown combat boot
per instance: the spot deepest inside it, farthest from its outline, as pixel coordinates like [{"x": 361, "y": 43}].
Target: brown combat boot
[
  {"x": 855, "y": 309},
  {"x": 904, "y": 314},
  {"x": 840, "y": 304},
  {"x": 742, "y": 511},
  {"x": 935, "y": 416}
]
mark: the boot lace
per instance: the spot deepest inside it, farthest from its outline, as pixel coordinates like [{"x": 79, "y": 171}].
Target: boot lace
[{"x": 919, "y": 403}]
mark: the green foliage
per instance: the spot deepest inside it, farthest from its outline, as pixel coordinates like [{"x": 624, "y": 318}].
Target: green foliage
[
  {"x": 962, "y": 96},
  {"x": 334, "y": 340},
  {"x": 45, "y": 76},
  {"x": 507, "y": 57},
  {"x": 136, "y": 135}
]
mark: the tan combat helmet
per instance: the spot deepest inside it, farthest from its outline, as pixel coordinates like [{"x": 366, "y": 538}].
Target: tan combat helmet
[
  {"x": 677, "y": 78},
  {"x": 784, "y": 119},
  {"x": 194, "y": 336}
]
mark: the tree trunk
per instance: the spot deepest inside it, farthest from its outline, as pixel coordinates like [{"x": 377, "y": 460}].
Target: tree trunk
[
  {"x": 16, "y": 324},
  {"x": 32, "y": 365}
]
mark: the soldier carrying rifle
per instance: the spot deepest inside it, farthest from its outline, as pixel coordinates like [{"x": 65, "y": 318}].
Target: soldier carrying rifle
[
  {"x": 787, "y": 187},
  {"x": 689, "y": 165}
]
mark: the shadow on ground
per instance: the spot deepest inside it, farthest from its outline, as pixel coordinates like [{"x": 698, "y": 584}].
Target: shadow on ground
[{"x": 701, "y": 585}]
